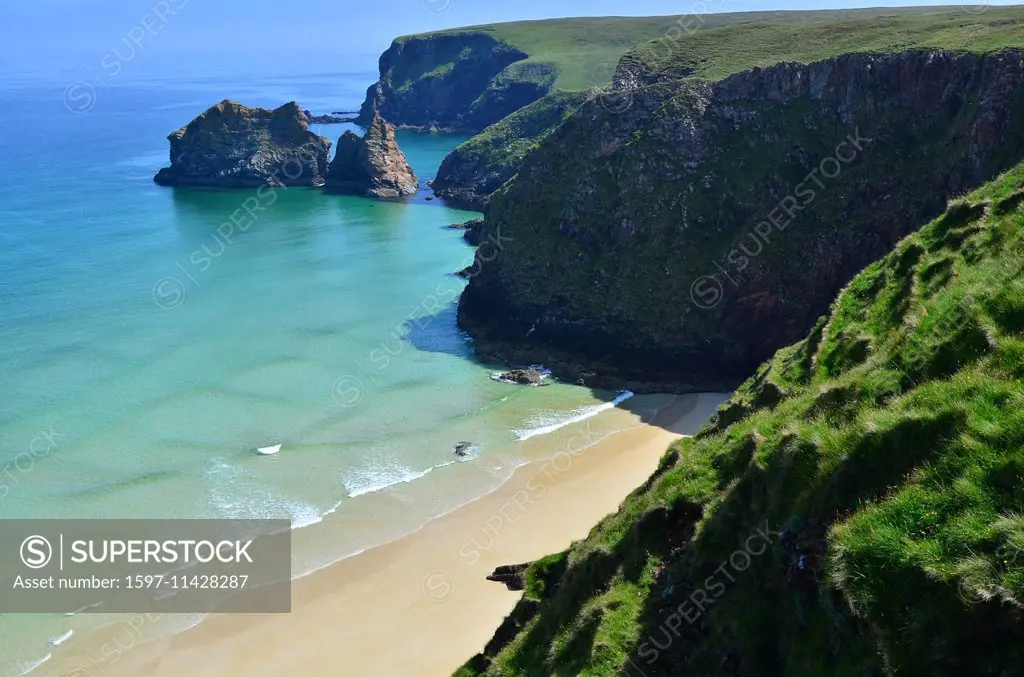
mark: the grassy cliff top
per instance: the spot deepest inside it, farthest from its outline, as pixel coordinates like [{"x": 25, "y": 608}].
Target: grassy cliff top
[
  {"x": 586, "y": 50},
  {"x": 856, "y": 509},
  {"x": 718, "y": 50}
]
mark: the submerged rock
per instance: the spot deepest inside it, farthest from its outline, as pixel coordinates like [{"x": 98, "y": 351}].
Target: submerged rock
[
  {"x": 373, "y": 165},
  {"x": 234, "y": 146},
  {"x": 462, "y": 449},
  {"x": 332, "y": 119}
]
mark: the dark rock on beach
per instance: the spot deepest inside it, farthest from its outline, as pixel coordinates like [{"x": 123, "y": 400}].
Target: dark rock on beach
[
  {"x": 462, "y": 449},
  {"x": 511, "y": 575},
  {"x": 234, "y": 146},
  {"x": 373, "y": 165}
]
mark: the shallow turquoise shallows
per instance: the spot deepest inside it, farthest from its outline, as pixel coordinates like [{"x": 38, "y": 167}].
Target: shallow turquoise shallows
[{"x": 145, "y": 355}]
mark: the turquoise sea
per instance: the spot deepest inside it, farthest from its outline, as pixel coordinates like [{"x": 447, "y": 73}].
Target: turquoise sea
[{"x": 145, "y": 357}]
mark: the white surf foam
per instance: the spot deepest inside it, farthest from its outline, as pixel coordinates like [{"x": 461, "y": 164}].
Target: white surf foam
[
  {"x": 367, "y": 481},
  {"x": 84, "y": 608},
  {"x": 309, "y": 518},
  {"x": 235, "y": 494},
  {"x": 57, "y": 641},
  {"x": 31, "y": 666},
  {"x": 562, "y": 420}
]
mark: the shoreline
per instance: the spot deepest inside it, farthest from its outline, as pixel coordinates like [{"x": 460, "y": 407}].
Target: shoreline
[{"x": 420, "y": 604}]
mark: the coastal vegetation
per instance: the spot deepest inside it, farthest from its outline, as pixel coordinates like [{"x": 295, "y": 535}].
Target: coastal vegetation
[
  {"x": 713, "y": 53},
  {"x": 696, "y": 45},
  {"x": 469, "y": 174},
  {"x": 855, "y": 509}
]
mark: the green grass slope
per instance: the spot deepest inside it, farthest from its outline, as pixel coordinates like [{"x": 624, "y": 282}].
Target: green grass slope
[
  {"x": 468, "y": 78},
  {"x": 712, "y": 53},
  {"x": 857, "y": 509},
  {"x": 585, "y": 50},
  {"x": 714, "y": 47}
]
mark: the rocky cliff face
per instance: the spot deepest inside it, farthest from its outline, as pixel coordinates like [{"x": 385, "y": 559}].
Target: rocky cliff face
[
  {"x": 470, "y": 173},
  {"x": 454, "y": 81},
  {"x": 678, "y": 243},
  {"x": 233, "y": 146},
  {"x": 373, "y": 165}
]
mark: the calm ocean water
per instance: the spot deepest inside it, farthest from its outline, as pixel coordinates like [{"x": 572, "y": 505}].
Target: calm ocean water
[{"x": 144, "y": 358}]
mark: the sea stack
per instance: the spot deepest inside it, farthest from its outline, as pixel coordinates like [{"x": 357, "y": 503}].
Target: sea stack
[
  {"x": 234, "y": 146},
  {"x": 373, "y": 165}
]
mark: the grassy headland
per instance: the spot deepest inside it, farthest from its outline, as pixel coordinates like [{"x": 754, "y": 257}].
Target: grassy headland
[
  {"x": 856, "y": 509},
  {"x": 586, "y": 51},
  {"x": 713, "y": 53},
  {"x": 713, "y": 47}
]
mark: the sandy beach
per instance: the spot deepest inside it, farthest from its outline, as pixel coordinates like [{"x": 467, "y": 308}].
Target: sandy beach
[{"x": 421, "y": 605}]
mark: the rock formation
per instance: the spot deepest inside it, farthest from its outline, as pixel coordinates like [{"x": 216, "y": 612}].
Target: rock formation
[
  {"x": 234, "y": 146},
  {"x": 677, "y": 243},
  {"x": 332, "y": 119},
  {"x": 530, "y": 376},
  {"x": 513, "y": 576},
  {"x": 373, "y": 165}
]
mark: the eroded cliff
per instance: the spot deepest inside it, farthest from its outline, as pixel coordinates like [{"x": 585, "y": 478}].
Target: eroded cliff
[
  {"x": 475, "y": 169},
  {"x": 678, "y": 242}
]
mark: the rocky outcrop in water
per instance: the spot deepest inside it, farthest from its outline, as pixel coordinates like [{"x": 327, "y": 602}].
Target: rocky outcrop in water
[
  {"x": 470, "y": 230},
  {"x": 373, "y": 165},
  {"x": 676, "y": 242},
  {"x": 234, "y": 146},
  {"x": 460, "y": 81},
  {"x": 332, "y": 119}
]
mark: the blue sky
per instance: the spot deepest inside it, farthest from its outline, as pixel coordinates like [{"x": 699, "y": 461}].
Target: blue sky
[{"x": 62, "y": 37}]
